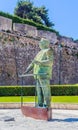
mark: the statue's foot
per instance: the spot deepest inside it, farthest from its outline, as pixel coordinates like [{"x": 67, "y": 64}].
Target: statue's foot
[
  {"x": 39, "y": 105},
  {"x": 45, "y": 106}
]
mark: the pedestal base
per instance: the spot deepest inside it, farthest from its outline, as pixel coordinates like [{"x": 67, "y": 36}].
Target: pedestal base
[{"x": 37, "y": 113}]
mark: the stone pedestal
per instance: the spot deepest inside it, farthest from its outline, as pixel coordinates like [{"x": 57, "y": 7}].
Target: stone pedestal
[{"x": 37, "y": 113}]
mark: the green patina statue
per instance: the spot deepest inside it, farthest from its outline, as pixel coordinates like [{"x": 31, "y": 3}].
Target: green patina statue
[{"x": 42, "y": 67}]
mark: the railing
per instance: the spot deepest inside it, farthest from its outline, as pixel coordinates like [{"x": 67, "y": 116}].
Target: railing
[{"x": 29, "y": 75}]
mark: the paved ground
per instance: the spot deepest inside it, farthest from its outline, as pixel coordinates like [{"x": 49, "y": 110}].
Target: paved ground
[
  {"x": 13, "y": 119},
  {"x": 53, "y": 105}
]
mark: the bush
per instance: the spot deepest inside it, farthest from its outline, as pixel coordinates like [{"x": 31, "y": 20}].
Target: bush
[
  {"x": 64, "y": 90},
  {"x": 30, "y": 91},
  {"x": 16, "y": 91}
]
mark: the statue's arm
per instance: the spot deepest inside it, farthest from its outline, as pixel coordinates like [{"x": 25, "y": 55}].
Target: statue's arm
[
  {"x": 29, "y": 68},
  {"x": 43, "y": 62}
]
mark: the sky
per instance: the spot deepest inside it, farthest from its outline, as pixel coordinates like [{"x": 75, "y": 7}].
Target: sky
[{"x": 63, "y": 13}]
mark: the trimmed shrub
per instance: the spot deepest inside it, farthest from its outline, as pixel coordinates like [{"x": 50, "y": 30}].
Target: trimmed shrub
[
  {"x": 30, "y": 90},
  {"x": 16, "y": 91},
  {"x": 64, "y": 90}
]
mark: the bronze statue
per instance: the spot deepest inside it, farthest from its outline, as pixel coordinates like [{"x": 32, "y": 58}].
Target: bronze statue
[{"x": 42, "y": 67}]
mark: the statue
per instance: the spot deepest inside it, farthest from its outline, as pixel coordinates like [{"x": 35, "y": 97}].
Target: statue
[{"x": 42, "y": 66}]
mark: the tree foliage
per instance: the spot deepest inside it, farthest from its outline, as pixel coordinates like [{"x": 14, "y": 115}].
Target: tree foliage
[{"x": 26, "y": 9}]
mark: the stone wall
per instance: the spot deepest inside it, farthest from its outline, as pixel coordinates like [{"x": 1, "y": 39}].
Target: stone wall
[
  {"x": 69, "y": 61},
  {"x": 32, "y": 31},
  {"x": 26, "y": 29},
  {"x": 15, "y": 55},
  {"x": 18, "y": 48},
  {"x": 5, "y": 23},
  {"x": 17, "y": 52}
]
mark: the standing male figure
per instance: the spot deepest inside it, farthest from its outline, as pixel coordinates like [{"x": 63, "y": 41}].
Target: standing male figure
[{"x": 42, "y": 67}]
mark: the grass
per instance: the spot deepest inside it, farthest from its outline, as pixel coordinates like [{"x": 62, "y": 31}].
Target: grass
[
  {"x": 54, "y": 99},
  {"x": 65, "y": 99},
  {"x": 17, "y": 99}
]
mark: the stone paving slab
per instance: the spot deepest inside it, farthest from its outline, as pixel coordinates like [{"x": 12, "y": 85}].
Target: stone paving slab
[
  {"x": 61, "y": 120},
  {"x": 53, "y": 105}
]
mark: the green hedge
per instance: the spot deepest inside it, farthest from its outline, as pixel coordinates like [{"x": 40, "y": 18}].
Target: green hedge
[
  {"x": 64, "y": 90},
  {"x": 30, "y": 91},
  {"x": 16, "y": 19},
  {"x": 16, "y": 91}
]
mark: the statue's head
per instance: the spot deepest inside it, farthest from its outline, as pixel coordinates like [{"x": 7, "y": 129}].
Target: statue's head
[{"x": 44, "y": 43}]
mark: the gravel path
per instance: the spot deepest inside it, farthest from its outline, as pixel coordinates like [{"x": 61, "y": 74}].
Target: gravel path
[{"x": 13, "y": 119}]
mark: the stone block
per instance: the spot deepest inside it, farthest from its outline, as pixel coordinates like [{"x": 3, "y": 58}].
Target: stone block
[
  {"x": 24, "y": 28},
  {"x": 49, "y": 35},
  {"x": 5, "y": 23},
  {"x": 37, "y": 113}
]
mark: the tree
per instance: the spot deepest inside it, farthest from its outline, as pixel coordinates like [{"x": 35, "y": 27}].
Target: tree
[{"x": 26, "y": 9}]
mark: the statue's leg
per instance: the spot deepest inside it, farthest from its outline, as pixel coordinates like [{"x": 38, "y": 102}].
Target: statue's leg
[
  {"x": 39, "y": 93},
  {"x": 45, "y": 83}
]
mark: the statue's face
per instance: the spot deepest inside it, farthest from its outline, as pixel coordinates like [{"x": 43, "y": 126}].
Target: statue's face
[{"x": 44, "y": 44}]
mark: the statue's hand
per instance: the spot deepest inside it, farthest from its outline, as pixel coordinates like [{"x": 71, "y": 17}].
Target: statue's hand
[{"x": 25, "y": 72}]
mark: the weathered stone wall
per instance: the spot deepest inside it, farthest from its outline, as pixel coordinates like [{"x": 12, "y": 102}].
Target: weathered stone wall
[
  {"x": 49, "y": 35},
  {"x": 69, "y": 61},
  {"x": 5, "y": 23},
  {"x": 17, "y": 52},
  {"x": 26, "y": 29},
  {"x": 32, "y": 31},
  {"x": 19, "y": 47},
  {"x": 15, "y": 55}
]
